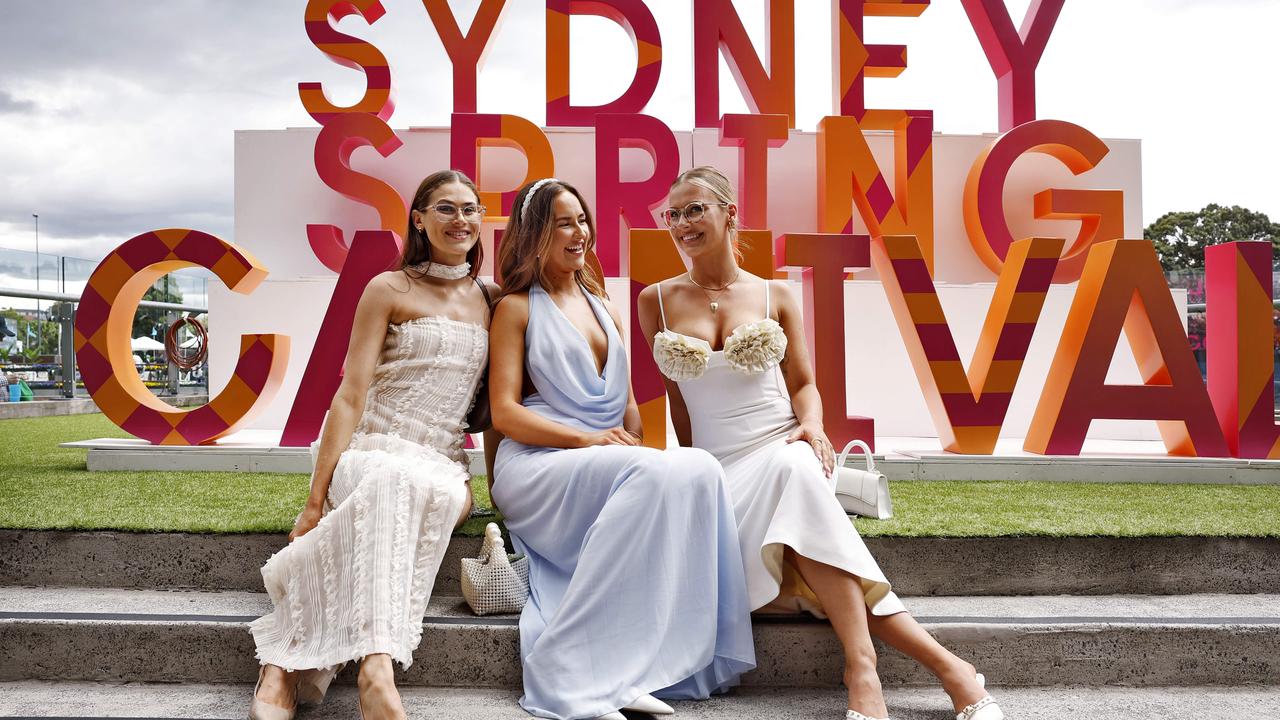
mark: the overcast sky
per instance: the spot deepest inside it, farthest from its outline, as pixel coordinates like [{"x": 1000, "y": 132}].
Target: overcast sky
[{"x": 118, "y": 117}]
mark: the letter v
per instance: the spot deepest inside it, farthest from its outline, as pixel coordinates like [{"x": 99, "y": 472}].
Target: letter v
[{"x": 968, "y": 410}]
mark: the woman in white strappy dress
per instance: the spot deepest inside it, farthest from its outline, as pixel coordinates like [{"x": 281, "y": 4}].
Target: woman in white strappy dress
[
  {"x": 754, "y": 406},
  {"x": 390, "y": 480}
]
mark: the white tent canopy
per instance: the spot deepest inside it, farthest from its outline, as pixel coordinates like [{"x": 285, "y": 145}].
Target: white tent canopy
[{"x": 142, "y": 344}]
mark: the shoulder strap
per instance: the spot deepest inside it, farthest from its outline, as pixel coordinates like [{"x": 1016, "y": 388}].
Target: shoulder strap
[
  {"x": 661, "y": 310},
  {"x": 488, "y": 301},
  {"x": 766, "y": 298}
]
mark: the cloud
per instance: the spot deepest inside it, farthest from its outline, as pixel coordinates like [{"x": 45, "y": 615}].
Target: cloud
[{"x": 10, "y": 104}]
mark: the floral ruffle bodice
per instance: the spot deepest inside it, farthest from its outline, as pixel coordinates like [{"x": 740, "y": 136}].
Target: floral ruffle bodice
[{"x": 751, "y": 348}]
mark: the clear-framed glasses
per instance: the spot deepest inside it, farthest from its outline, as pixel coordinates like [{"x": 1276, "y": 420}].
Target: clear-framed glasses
[
  {"x": 692, "y": 212},
  {"x": 448, "y": 212}
]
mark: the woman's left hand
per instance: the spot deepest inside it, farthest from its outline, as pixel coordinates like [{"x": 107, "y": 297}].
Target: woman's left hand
[{"x": 817, "y": 439}]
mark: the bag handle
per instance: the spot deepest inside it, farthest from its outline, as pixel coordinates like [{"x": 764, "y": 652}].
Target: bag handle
[
  {"x": 866, "y": 452},
  {"x": 493, "y": 551}
]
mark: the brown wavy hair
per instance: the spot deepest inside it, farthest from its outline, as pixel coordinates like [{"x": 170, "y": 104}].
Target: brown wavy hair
[
  {"x": 528, "y": 238},
  {"x": 417, "y": 248},
  {"x": 712, "y": 180}
]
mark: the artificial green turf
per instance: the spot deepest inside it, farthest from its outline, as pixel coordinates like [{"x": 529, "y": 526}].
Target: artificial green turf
[{"x": 43, "y": 486}]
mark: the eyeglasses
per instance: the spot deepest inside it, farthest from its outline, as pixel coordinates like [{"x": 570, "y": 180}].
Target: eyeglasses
[
  {"x": 448, "y": 212},
  {"x": 692, "y": 212}
]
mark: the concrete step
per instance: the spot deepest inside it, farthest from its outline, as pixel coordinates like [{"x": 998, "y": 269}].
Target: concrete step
[
  {"x": 917, "y": 566},
  {"x": 172, "y": 636},
  {"x": 100, "y": 700}
]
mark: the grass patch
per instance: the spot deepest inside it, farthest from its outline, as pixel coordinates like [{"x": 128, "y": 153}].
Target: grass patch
[{"x": 43, "y": 486}]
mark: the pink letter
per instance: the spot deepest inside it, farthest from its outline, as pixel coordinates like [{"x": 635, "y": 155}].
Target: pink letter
[
  {"x": 1014, "y": 55},
  {"x": 633, "y": 201}
]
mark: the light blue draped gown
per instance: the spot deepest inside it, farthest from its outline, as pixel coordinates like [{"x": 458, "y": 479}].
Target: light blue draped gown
[{"x": 635, "y": 574}]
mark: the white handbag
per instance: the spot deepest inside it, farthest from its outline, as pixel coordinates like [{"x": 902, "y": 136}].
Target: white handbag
[
  {"x": 495, "y": 582},
  {"x": 862, "y": 492}
]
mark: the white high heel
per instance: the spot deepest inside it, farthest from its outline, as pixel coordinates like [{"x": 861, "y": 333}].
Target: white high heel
[
  {"x": 649, "y": 704},
  {"x": 855, "y": 715},
  {"x": 615, "y": 715},
  {"x": 984, "y": 709},
  {"x": 313, "y": 684}
]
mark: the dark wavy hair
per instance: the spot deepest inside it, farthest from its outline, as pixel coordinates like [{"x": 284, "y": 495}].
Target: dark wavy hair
[
  {"x": 528, "y": 237},
  {"x": 417, "y": 248}
]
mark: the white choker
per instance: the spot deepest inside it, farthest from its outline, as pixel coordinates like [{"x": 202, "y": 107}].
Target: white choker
[{"x": 444, "y": 272}]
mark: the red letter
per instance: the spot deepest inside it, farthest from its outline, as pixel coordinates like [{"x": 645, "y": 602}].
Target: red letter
[
  {"x": 1014, "y": 55},
  {"x": 823, "y": 261},
  {"x": 1241, "y": 340},
  {"x": 635, "y": 18},
  {"x": 337, "y": 140},
  {"x": 321, "y": 16},
  {"x": 469, "y": 133},
  {"x": 466, "y": 53},
  {"x": 1123, "y": 286},
  {"x": 717, "y": 27},
  {"x": 754, "y": 135},
  {"x": 633, "y": 201},
  {"x": 373, "y": 251}
]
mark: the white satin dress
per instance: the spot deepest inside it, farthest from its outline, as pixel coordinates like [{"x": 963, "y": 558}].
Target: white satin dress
[{"x": 740, "y": 412}]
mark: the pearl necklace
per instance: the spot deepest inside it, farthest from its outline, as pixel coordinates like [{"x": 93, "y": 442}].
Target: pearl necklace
[{"x": 444, "y": 272}]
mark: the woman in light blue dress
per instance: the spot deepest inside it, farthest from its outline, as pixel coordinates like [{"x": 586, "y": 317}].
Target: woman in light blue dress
[{"x": 636, "y": 580}]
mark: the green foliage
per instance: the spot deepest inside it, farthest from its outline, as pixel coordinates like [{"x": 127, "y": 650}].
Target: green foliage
[
  {"x": 148, "y": 320},
  {"x": 1180, "y": 238}
]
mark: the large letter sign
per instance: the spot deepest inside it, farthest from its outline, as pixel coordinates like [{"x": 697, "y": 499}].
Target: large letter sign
[
  {"x": 1242, "y": 339},
  {"x": 105, "y": 317}
]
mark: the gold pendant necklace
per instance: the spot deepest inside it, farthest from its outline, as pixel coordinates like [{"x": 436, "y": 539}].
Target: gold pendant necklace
[{"x": 714, "y": 302}]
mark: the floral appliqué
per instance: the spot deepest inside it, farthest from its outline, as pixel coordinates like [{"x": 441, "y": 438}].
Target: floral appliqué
[
  {"x": 680, "y": 357},
  {"x": 756, "y": 347}
]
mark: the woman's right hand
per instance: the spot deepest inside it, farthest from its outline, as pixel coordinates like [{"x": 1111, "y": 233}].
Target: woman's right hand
[
  {"x": 612, "y": 436},
  {"x": 306, "y": 522}
]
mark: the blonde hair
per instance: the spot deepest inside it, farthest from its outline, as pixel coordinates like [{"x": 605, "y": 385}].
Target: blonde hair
[
  {"x": 527, "y": 239},
  {"x": 714, "y": 181}
]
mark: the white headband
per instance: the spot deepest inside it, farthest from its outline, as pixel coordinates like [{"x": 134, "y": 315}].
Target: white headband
[{"x": 524, "y": 209}]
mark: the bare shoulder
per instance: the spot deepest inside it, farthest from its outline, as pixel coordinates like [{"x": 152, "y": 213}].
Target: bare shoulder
[
  {"x": 492, "y": 288},
  {"x": 782, "y": 296},
  {"x": 512, "y": 308},
  {"x": 383, "y": 288}
]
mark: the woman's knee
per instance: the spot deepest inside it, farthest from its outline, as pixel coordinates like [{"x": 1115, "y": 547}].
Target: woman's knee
[{"x": 684, "y": 470}]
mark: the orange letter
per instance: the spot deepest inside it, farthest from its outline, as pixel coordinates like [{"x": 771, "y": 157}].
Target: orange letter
[
  {"x": 469, "y": 133},
  {"x": 104, "y": 318},
  {"x": 855, "y": 60},
  {"x": 967, "y": 410},
  {"x": 1123, "y": 286},
  {"x": 717, "y": 27},
  {"x": 1075, "y": 147},
  {"x": 635, "y": 18},
  {"x": 321, "y": 18},
  {"x": 847, "y": 169}
]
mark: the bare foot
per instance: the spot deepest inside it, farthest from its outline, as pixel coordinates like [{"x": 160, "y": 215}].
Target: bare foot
[
  {"x": 865, "y": 694},
  {"x": 379, "y": 699},
  {"x": 961, "y": 683}
]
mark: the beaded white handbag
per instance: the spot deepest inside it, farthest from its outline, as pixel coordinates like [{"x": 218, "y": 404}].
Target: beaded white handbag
[
  {"x": 495, "y": 582},
  {"x": 862, "y": 492}
]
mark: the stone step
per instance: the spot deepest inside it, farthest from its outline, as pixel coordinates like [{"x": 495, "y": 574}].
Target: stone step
[
  {"x": 917, "y": 566},
  {"x": 102, "y": 700},
  {"x": 176, "y": 636}
]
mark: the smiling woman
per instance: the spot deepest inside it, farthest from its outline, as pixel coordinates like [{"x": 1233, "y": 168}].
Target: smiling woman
[{"x": 592, "y": 509}]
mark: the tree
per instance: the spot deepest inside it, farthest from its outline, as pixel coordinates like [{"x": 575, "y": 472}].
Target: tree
[
  {"x": 1181, "y": 237},
  {"x": 149, "y": 319}
]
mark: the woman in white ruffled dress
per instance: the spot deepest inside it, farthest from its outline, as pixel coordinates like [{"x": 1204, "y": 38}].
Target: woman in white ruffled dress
[
  {"x": 390, "y": 480},
  {"x": 754, "y": 405}
]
